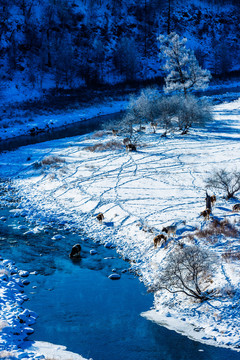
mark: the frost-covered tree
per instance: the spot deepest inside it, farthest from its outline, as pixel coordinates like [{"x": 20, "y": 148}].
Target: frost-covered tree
[
  {"x": 144, "y": 108},
  {"x": 185, "y": 73},
  {"x": 189, "y": 271}
]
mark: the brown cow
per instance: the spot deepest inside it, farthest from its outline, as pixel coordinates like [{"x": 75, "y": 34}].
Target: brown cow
[
  {"x": 115, "y": 132},
  {"x": 76, "y": 251},
  {"x": 213, "y": 199},
  {"x": 236, "y": 207},
  {"x": 159, "y": 239},
  {"x": 206, "y": 214},
  {"x": 131, "y": 147},
  {"x": 100, "y": 217}
]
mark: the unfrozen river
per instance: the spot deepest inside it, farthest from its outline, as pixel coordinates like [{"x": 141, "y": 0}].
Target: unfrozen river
[{"x": 81, "y": 308}]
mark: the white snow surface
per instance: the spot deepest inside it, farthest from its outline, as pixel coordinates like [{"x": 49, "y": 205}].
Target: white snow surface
[{"x": 139, "y": 193}]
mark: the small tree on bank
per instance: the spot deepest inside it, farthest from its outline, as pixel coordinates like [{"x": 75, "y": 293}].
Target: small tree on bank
[
  {"x": 185, "y": 73},
  {"x": 228, "y": 181},
  {"x": 188, "y": 271}
]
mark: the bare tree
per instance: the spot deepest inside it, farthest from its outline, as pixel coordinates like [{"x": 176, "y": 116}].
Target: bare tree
[
  {"x": 228, "y": 181},
  {"x": 188, "y": 271}
]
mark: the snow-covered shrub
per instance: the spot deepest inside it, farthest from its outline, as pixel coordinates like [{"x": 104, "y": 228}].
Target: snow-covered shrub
[
  {"x": 231, "y": 255},
  {"x": 188, "y": 271},
  {"x": 225, "y": 180},
  {"x": 142, "y": 109},
  {"x": 98, "y": 134},
  {"x": 217, "y": 228},
  {"x": 182, "y": 112},
  {"x": 3, "y": 324},
  {"x": 228, "y": 291},
  {"x": 50, "y": 160},
  {"x": 110, "y": 145},
  {"x": 7, "y": 355},
  {"x": 192, "y": 111}
]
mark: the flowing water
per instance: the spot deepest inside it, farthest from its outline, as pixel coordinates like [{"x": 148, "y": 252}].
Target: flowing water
[{"x": 81, "y": 308}]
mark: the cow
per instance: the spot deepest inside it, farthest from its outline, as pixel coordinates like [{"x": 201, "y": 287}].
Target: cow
[
  {"x": 131, "y": 147},
  {"x": 100, "y": 217},
  {"x": 159, "y": 239},
  {"x": 206, "y": 213},
  {"x": 76, "y": 251},
  {"x": 115, "y": 132},
  {"x": 170, "y": 230},
  {"x": 213, "y": 199},
  {"x": 236, "y": 208}
]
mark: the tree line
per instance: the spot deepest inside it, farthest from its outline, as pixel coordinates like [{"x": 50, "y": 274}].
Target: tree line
[{"x": 68, "y": 43}]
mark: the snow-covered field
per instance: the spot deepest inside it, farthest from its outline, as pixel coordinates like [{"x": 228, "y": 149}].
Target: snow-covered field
[{"x": 139, "y": 193}]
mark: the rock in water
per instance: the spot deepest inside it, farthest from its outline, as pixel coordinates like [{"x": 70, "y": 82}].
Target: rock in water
[
  {"x": 93, "y": 252},
  {"x": 57, "y": 237},
  {"x": 114, "y": 276},
  {"x": 23, "y": 273}
]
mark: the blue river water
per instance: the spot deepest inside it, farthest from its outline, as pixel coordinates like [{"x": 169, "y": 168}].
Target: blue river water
[{"x": 81, "y": 308}]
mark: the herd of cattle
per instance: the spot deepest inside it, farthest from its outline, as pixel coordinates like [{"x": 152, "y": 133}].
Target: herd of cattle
[{"x": 167, "y": 231}]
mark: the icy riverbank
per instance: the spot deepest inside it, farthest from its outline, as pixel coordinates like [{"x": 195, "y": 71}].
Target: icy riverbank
[{"x": 139, "y": 193}]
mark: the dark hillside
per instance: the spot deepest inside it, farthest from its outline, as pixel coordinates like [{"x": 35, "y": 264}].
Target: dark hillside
[{"x": 67, "y": 44}]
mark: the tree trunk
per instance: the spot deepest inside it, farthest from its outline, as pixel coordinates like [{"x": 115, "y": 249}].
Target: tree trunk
[
  {"x": 169, "y": 17},
  {"x": 208, "y": 202}
]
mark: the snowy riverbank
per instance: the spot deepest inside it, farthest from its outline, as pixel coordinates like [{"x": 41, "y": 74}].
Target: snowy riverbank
[
  {"x": 22, "y": 125},
  {"x": 139, "y": 193},
  {"x": 19, "y": 122}
]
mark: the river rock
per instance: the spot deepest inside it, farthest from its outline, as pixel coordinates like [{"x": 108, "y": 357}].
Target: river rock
[
  {"x": 23, "y": 213},
  {"x": 57, "y": 237},
  {"x": 13, "y": 271},
  {"x": 25, "y": 297},
  {"x": 114, "y": 276},
  {"x": 23, "y": 356},
  {"x": 3, "y": 277},
  {"x": 7, "y": 262},
  {"x": 23, "y": 273},
  {"x": 29, "y": 232},
  {"x": 109, "y": 245},
  {"x": 93, "y": 252},
  {"x": 28, "y": 330},
  {"x": 26, "y": 282}
]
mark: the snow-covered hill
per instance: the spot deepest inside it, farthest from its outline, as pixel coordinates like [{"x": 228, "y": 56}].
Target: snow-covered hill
[{"x": 139, "y": 193}]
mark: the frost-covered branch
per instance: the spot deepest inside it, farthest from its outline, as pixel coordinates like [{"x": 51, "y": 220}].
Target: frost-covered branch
[{"x": 185, "y": 73}]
